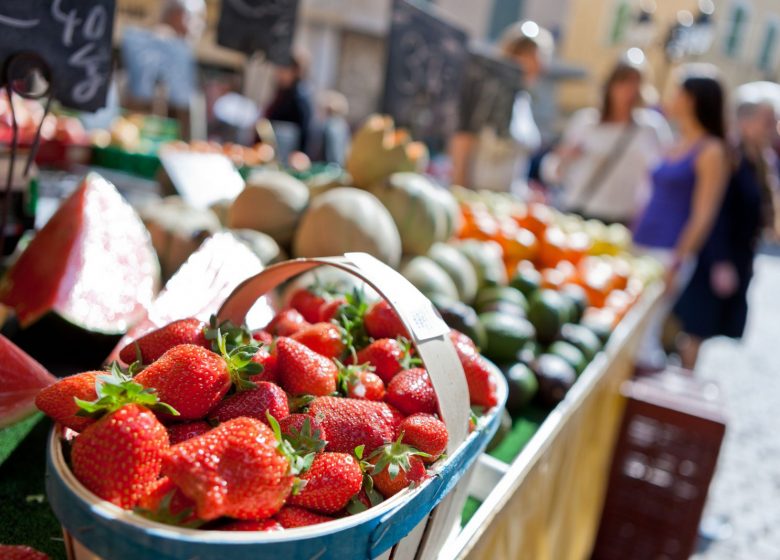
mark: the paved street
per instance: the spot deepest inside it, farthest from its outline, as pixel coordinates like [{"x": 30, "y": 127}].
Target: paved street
[{"x": 744, "y": 499}]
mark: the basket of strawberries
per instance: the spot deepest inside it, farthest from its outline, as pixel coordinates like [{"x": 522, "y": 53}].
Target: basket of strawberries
[{"x": 340, "y": 429}]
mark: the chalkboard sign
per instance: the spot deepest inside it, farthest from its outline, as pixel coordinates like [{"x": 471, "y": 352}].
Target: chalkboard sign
[
  {"x": 490, "y": 86},
  {"x": 151, "y": 58},
  {"x": 258, "y": 25},
  {"x": 72, "y": 36},
  {"x": 425, "y": 62}
]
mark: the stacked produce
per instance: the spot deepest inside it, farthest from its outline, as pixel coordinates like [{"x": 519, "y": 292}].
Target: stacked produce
[{"x": 323, "y": 413}]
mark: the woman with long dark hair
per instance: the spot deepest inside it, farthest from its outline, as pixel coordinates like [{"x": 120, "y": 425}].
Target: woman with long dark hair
[
  {"x": 606, "y": 153},
  {"x": 687, "y": 193}
]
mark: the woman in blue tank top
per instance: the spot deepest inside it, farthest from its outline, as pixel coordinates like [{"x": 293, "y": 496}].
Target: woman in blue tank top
[{"x": 688, "y": 189}]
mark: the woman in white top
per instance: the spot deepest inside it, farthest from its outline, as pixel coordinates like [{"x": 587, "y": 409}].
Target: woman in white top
[{"x": 605, "y": 156}]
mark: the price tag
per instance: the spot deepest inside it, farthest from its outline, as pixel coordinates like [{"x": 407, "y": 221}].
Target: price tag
[
  {"x": 258, "y": 25},
  {"x": 72, "y": 36},
  {"x": 426, "y": 56},
  {"x": 202, "y": 179}
]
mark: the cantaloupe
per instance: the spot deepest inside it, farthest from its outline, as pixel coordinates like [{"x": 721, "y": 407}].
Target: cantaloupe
[
  {"x": 346, "y": 219},
  {"x": 459, "y": 269},
  {"x": 272, "y": 202},
  {"x": 429, "y": 278},
  {"x": 423, "y": 211}
]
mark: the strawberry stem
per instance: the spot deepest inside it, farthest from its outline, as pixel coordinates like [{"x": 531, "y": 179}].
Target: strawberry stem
[
  {"x": 395, "y": 457},
  {"x": 298, "y": 464},
  {"x": 239, "y": 362}
]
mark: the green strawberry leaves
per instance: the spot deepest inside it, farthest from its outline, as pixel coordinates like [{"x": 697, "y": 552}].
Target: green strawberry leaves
[
  {"x": 235, "y": 336},
  {"x": 117, "y": 389},
  {"x": 350, "y": 317},
  {"x": 306, "y": 440},
  {"x": 409, "y": 360},
  {"x": 299, "y": 464},
  {"x": 239, "y": 361},
  {"x": 350, "y": 376},
  {"x": 164, "y": 515},
  {"x": 395, "y": 457}
]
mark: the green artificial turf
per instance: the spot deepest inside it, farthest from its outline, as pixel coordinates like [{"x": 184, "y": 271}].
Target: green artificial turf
[
  {"x": 25, "y": 513},
  {"x": 523, "y": 429},
  {"x": 13, "y": 435}
]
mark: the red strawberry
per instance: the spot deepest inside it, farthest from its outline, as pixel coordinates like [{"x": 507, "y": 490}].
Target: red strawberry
[
  {"x": 286, "y": 323},
  {"x": 21, "y": 552},
  {"x": 359, "y": 382},
  {"x": 57, "y": 401},
  {"x": 349, "y": 423},
  {"x": 262, "y": 525},
  {"x": 165, "y": 503},
  {"x": 332, "y": 480},
  {"x": 330, "y": 309},
  {"x": 235, "y": 470},
  {"x": 304, "y": 372},
  {"x": 264, "y": 337},
  {"x": 388, "y": 356},
  {"x": 307, "y": 303},
  {"x": 119, "y": 457},
  {"x": 156, "y": 343},
  {"x": 266, "y": 357},
  {"x": 463, "y": 344},
  {"x": 178, "y": 433},
  {"x": 254, "y": 403},
  {"x": 290, "y": 517},
  {"x": 304, "y": 432},
  {"x": 324, "y": 338},
  {"x": 396, "y": 466},
  {"x": 193, "y": 380},
  {"x": 425, "y": 433},
  {"x": 480, "y": 377},
  {"x": 411, "y": 391},
  {"x": 382, "y": 321}
]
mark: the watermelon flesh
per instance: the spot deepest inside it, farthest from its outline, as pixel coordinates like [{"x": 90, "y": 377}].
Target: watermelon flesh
[
  {"x": 21, "y": 378},
  {"x": 92, "y": 264},
  {"x": 200, "y": 286}
]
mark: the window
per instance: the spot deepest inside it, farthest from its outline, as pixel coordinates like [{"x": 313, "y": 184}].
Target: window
[
  {"x": 620, "y": 24},
  {"x": 736, "y": 27},
  {"x": 767, "y": 54}
]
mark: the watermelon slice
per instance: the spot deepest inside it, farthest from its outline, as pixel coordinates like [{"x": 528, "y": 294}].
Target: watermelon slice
[
  {"x": 21, "y": 378},
  {"x": 200, "y": 286},
  {"x": 91, "y": 269}
]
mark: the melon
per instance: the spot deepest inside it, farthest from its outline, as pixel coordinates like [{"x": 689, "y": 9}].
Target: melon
[
  {"x": 378, "y": 150},
  {"x": 422, "y": 211},
  {"x": 21, "y": 379},
  {"x": 83, "y": 280},
  {"x": 272, "y": 203},
  {"x": 486, "y": 258},
  {"x": 199, "y": 287},
  {"x": 348, "y": 220},
  {"x": 458, "y": 267},
  {"x": 429, "y": 278},
  {"x": 261, "y": 244}
]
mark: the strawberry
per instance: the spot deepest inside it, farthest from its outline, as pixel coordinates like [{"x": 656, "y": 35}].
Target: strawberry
[
  {"x": 263, "y": 337},
  {"x": 254, "y": 403},
  {"x": 235, "y": 470},
  {"x": 119, "y": 457},
  {"x": 57, "y": 401},
  {"x": 152, "y": 345},
  {"x": 388, "y": 356},
  {"x": 287, "y": 322},
  {"x": 324, "y": 338},
  {"x": 426, "y": 433},
  {"x": 304, "y": 432},
  {"x": 193, "y": 380},
  {"x": 165, "y": 503},
  {"x": 302, "y": 371},
  {"x": 411, "y": 391},
  {"x": 332, "y": 480},
  {"x": 178, "y": 433},
  {"x": 261, "y": 525},
  {"x": 481, "y": 381},
  {"x": 360, "y": 382},
  {"x": 307, "y": 302},
  {"x": 290, "y": 517},
  {"x": 21, "y": 552},
  {"x": 396, "y": 466},
  {"x": 349, "y": 423},
  {"x": 381, "y": 321},
  {"x": 463, "y": 344},
  {"x": 266, "y": 357},
  {"x": 330, "y": 309}
]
